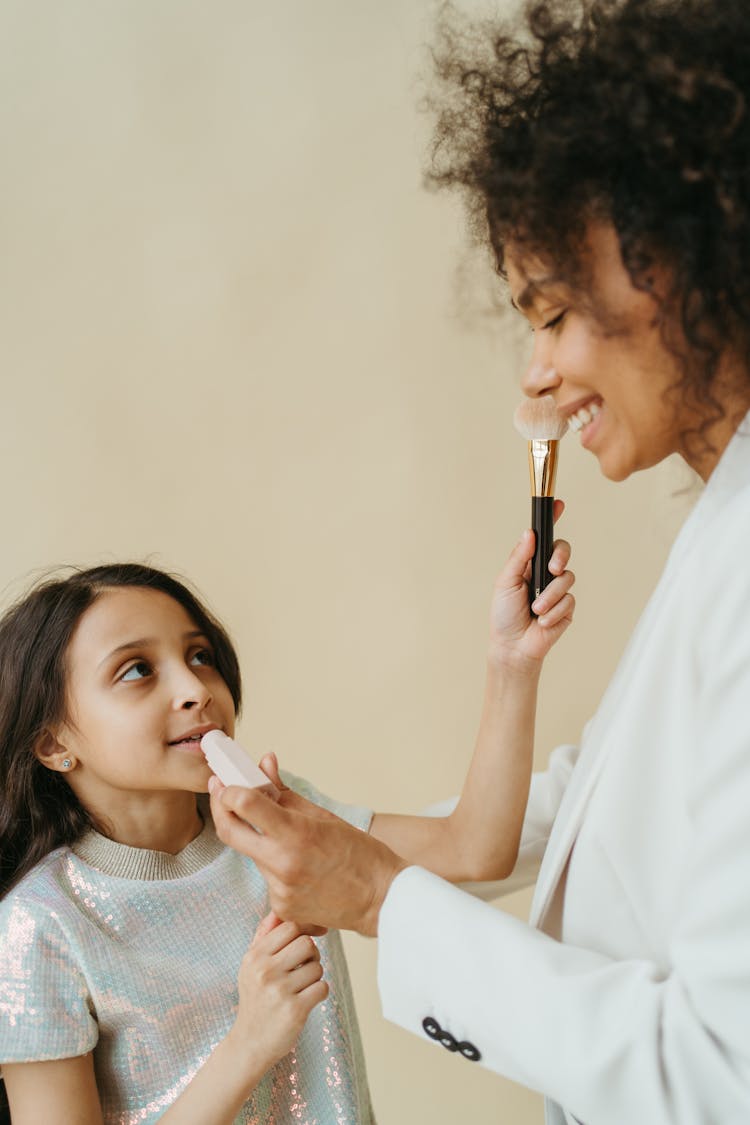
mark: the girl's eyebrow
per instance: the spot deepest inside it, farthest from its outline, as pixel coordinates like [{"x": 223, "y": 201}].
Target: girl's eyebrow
[{"x": 145, "y": 642}]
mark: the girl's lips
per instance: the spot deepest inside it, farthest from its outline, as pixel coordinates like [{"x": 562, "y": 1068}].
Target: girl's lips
[
  {"x": 188, "y": 746},
  {"x": 195, "y": 734}
]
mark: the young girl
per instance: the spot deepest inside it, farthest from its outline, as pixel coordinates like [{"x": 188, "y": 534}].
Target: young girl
[{"x": 125, "y": 920}]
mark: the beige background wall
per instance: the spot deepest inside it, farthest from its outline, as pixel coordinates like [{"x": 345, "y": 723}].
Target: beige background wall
[{"x": 234, "y": 342}]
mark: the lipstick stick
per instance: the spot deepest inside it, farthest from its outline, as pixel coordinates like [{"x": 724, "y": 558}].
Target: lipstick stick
[{"x": 538, "y": 421}]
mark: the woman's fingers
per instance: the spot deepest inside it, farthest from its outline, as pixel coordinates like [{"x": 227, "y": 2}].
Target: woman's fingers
[
  {"x": 560, "y": 556},
  {"x": 555, "y": 603},
  {"x": 553, "y": 593},
  {"x": 562, "y": 611},
  {"x": 519, "y": 560},
  {"x": 269, "y": 763},
  {"x": 517, "y": 570}
]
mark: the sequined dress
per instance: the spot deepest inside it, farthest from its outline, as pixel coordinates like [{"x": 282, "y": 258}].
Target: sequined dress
[{"x": 134, "y": 954}]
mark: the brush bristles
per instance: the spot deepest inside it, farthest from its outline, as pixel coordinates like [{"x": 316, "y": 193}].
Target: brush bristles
[{"x": 537, "y": 419}]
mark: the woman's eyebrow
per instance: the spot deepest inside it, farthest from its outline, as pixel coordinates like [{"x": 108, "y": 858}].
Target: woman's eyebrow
[{"x": 533, "y": 287}]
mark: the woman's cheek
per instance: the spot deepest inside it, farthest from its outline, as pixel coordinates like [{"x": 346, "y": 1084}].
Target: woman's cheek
[{"x": 576, "y": 352}]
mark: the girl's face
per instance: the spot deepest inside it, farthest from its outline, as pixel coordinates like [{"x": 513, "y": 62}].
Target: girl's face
[
  {"x": 142, "y": 689},
  {"x": 603, "y": 359}
]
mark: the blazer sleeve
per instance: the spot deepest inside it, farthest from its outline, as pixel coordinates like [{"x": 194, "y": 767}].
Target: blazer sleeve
[
  {"x": 614, "y": 1041},
  {"x": 545, "y": 795}
]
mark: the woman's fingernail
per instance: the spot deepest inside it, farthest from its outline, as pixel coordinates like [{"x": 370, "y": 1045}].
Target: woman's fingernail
[
  {"x": 538, "y": 606},
  {"x": 213, "y": 783}
]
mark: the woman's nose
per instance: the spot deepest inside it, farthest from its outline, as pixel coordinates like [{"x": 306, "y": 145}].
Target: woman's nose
[{"x": 539, "y": 379}]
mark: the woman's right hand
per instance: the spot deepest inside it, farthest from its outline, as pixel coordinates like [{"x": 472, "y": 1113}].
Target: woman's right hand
[
  {"x": 518, "y": 637},
  {"x": 280, "y": 982}
]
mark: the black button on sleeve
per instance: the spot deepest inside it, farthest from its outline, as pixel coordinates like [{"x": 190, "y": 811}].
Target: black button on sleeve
[
  {"x": 432, "y": 1027},
  {"x": 448, "y": 1041},
  {"x": 469, "y": 1051}
]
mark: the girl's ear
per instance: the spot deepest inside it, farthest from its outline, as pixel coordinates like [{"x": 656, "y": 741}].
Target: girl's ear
[{"x": 52, "y": 754}]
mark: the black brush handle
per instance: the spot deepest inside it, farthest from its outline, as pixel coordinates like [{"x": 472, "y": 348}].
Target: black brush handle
[{"x": 543, "y": 526}]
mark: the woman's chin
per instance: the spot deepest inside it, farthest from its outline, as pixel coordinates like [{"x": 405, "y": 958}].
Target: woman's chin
[{"x": 615, "y": 472}]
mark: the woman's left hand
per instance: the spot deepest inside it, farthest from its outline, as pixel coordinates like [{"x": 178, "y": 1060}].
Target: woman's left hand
[{"x": 518, "y": 636}]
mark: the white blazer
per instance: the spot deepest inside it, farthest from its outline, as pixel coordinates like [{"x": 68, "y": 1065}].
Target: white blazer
[{"x": 633, "y": 1008}]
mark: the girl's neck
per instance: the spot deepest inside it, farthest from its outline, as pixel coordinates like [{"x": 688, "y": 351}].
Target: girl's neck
[{"x": 159, "y": 822}]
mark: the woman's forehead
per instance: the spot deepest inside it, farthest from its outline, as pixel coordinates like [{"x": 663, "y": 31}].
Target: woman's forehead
[
  {"x": 594, "y": 270},
  {"x": 531, "y": 276}
]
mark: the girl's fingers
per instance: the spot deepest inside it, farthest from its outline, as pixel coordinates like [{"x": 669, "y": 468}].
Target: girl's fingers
[
  {"x": 315, "y": 993},
  {"x": 557, "y": 509},
  {"x": 302, "y": 951},
  {"x": 270, "y": 922},
  {"x": 304, "y": 975},
  {"x": 277, "y": 937}
]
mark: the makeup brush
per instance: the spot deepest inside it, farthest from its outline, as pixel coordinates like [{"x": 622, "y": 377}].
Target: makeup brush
[{"x": 537, "y": 420}]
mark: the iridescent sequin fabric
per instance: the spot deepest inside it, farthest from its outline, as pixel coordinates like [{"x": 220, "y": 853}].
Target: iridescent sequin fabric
[{"x": 134, "y": 955}]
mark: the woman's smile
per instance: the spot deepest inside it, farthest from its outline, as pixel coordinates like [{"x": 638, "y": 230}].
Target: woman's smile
[{"x": 582, "y": 418}]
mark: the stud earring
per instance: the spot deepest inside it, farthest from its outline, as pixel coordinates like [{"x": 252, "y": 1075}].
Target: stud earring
[{"x": 67, "y": 763}]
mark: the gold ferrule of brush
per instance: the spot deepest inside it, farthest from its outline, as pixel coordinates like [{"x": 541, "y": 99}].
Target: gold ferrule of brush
[{"x": 543, "y": 466}]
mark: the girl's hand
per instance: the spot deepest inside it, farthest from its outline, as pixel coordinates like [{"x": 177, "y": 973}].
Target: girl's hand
[
  {"x": 280, "y": 982},
  {"x": 517, "y": 636}
]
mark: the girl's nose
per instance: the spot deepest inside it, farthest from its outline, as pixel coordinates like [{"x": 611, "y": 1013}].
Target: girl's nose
[
  {"x": 190, "y": 692},
  {"x": 539, "y": 379}
]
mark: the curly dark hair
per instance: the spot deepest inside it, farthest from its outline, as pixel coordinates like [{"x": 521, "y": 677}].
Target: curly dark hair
[{"x": 633, "y": 112}]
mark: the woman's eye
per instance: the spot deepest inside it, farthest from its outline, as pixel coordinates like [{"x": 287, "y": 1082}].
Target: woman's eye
[
  {"x": 555, "y": 320},
  {"x": 203, "y": 657},
  {"x": 138, "y": 671}
]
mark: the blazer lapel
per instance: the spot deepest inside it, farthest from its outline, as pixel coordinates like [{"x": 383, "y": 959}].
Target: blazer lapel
[{"x": 595, "y": 745}]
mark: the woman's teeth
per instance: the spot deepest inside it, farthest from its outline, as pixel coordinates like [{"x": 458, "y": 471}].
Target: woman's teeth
[{"x": 583, "y": 416}]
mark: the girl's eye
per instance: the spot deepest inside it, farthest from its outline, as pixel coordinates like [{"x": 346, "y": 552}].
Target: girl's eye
[
  {"x": 138, "y": 671},
  {"x": 203, "y": 657}
]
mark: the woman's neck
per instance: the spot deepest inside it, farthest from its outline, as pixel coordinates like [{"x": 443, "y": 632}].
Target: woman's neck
[{"x": 716, "y": 426}]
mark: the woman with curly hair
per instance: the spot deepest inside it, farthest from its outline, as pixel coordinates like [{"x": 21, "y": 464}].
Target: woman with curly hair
[{"x": 604, "y": 149}]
